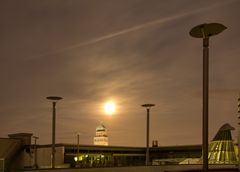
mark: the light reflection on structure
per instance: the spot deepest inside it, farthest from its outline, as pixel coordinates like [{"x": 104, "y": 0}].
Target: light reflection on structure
[{"x": 221, "y": 148}]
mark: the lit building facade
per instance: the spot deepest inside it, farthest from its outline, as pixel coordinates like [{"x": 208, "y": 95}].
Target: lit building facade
[
  {"x": 101, "y": 137},
  {"x": 221, "y": 148}
]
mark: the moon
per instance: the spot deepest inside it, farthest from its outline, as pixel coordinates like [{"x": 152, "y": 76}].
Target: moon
[{"x": 110, "y": 107}]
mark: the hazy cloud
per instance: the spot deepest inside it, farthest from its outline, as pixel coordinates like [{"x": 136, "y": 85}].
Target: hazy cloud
[{"x": 132, "y": 51}]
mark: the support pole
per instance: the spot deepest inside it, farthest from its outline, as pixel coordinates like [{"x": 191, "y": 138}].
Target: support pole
[
  {"x": 78, "y": 150},
  {"x": 147, "y": 139},
  {"x": 53, "y": 133},
  {"x": 205, "y": 102}
]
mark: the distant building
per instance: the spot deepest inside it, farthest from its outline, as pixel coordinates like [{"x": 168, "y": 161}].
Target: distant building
[
  {"x": 17, "y": 152},
  {"x": 101, "y": 137}
]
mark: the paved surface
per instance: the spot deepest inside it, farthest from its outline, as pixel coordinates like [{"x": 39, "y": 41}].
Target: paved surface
[{"x": 210, "y": 170}]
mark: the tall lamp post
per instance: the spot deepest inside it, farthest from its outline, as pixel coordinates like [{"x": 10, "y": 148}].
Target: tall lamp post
[
  {"x": 54, "y": 100},
  {"x": 147, "y": 106},
  {"x": 205, "y": 31}
]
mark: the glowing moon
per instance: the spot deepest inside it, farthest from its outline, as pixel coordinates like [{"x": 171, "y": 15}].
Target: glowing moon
[{"x": 110, "y": 108}]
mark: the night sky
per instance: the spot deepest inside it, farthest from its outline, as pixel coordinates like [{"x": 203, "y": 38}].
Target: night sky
[{"x": 129, "y": 51}]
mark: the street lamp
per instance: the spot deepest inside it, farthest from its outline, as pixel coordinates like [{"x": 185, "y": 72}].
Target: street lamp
[
  {"x": 54, "y": 100},
  {"x": 147, "y": 106},
  {"x": 35, "y": 151},
  {"x": 205, "y": 31}
]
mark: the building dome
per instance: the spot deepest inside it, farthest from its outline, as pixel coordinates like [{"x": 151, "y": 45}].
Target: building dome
[
  {"x": 101, "y": 127},
  {"x": 221, "y": 148},
  {"x": 224, "y": 133}
]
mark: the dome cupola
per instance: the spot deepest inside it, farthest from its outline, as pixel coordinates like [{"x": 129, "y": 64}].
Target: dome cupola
[{"x": 101, "y": 127}]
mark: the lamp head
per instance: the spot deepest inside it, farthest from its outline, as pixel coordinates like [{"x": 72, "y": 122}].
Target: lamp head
[
  {"x": 207, "y": 30},
  {"x": 54, "y": 98},
  {"x": 148, "y": 106}
]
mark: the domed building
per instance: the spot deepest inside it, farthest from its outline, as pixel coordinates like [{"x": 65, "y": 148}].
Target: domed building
[
  {"x": 101, "y": 137},
  {"x": 221, "y": 148}
]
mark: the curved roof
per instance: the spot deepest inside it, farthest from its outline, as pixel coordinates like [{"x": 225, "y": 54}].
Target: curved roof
[
  {"x": 224, "y": 133},
  {"x": 221, "y": 148},
  {"x": 226, "y": 127}
]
